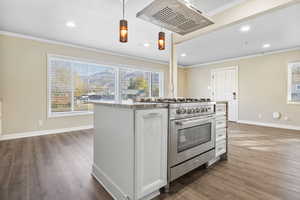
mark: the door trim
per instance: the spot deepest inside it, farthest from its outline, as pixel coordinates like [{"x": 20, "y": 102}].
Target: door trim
[{"x": 212, "y": 87}]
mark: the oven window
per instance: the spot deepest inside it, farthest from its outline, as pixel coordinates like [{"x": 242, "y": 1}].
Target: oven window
[{"x": 193, "y": 136}]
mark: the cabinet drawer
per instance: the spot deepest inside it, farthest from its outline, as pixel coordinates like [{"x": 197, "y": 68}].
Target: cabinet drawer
[
  {"x": 220, "y": 122},
  {"x": 220, "y": 148},
  {"x": 220, "y": 109},
  {"x": 221, "y": 134}
]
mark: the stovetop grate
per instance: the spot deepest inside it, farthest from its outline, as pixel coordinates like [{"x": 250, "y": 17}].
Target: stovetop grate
[{"x": 173, "y": 100}]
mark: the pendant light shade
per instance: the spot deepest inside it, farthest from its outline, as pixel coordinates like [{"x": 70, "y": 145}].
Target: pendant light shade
[
  {"x": 161, "y": 41},
  {"x": 123, "y": 30},
  {"x": 123, "y": 27}
]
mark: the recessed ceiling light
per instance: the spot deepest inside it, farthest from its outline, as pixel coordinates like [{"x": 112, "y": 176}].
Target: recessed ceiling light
[
  {"x": 146, "y": 44},
  {"x": 183, "y": 55},
  {"x": 266, "y": 46},
  {"x": 245, "y": 28},
  {"x": 71, "y": 24}
]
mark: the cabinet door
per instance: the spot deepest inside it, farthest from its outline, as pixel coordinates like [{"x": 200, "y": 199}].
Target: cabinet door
[{"x": 151, "y": 151}]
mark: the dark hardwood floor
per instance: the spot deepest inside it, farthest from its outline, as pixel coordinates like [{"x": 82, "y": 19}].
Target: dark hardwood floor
[{"x": 264, "y": 163}]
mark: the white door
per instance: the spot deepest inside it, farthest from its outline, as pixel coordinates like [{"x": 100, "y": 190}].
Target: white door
[
  {"x": 225, "y": 88},
  {"x": 151, "y": 135}
]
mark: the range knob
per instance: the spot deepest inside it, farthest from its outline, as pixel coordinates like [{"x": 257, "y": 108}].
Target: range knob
[
  {"x": 189, "y": 111},
  {"x": 180, "y": 111},
  {"x": 198, "y": 110}
]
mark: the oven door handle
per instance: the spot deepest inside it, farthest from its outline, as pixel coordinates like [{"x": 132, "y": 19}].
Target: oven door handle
[{"x": 182, "y": 123}]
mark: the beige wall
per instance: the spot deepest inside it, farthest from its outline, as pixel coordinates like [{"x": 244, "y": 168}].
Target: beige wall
[
  {"x": 23, "y": 82},
  {"x": 182, "y": 82},
  {"x": 262, "y": 87}
]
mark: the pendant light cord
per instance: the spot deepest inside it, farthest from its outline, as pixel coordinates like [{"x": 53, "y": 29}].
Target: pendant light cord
[{"x": 123, "y": 9}]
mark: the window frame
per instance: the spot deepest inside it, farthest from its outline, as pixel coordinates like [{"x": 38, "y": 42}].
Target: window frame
[
  {"x": 161, "y": 78},
  {"x": 115, "y": 67},
  {"x": 289, "y": 83}
]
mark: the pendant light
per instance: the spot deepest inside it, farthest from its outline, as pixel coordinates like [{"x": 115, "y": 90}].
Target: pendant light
[
  {"x": 161, "y": 41},
  {"x": 123, "y": 27}
]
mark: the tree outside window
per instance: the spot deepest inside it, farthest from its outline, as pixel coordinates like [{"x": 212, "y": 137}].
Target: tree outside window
[{"x": 73, "y": 84}]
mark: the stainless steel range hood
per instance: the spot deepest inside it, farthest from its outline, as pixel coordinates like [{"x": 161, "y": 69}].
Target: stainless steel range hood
[{"x": 178, "y": 16}]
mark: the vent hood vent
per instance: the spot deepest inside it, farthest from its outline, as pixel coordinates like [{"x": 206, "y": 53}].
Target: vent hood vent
[{"x": 178, "y": 16}]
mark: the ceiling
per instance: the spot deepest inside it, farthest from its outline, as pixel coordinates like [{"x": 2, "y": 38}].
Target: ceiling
[
  {"x": 280, "y": 29},
  {"x": 96, "y": 23}
]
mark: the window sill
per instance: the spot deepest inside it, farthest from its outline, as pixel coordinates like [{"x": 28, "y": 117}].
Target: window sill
[{"x": 69, "y": 114}]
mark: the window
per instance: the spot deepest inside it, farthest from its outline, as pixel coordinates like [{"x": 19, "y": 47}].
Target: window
[
  {"x": 135, "y": 83},
  {"x": 73, "y": 84},
  {"x": 102, "y": 83},
  {"x": 294, "y": 83},
  {"x": 156, "y": 84}
]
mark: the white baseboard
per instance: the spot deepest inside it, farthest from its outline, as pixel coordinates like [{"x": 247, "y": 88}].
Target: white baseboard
[
  {"x": 108, "y": 184},
  {"x": 273, "y": 125},
  {"x": 44, "y": 132}
]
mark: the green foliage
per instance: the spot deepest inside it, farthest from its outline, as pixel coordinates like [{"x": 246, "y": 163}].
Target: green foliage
[
  {"x": 80, "y": 86},
  {"x": 138, "y": 83}
]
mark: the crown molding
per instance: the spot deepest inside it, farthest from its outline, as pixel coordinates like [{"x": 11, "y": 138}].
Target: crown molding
[
  {"x": 18, "y": 35},
  {"x": 243, "y": 57}
]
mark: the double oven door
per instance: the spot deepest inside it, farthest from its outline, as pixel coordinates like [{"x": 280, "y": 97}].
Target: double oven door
[{"x": 191, "y": 137}]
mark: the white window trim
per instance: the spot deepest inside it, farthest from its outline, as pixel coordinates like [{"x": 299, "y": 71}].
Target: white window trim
[
  {"x": 289, "y": 84},
  {"x": 116, "y": 68},
  {"x": 69, "y": 114}
]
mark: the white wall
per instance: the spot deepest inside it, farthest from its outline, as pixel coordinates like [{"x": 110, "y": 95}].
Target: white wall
[
  {"x": 262, "y": 87},
  {"x": 23, "y": 82}
]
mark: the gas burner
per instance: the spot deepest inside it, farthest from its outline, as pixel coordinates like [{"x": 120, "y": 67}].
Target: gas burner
[
  {"x": 205, "y": 100},
  {"x": 172, "y": 100}
]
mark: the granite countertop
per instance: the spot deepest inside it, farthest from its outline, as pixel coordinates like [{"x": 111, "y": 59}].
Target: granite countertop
[
  {"x": 131, "y": 105},
  {"x": 221, "y": 102}
]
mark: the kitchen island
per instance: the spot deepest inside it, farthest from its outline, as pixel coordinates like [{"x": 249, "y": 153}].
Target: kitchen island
[
  {"x": 141, "y": 147},
  {"x": 130, "y": 148}
]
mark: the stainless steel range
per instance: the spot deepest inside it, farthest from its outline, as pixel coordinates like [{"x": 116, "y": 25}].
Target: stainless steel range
[{"x": 191, "y": 134}]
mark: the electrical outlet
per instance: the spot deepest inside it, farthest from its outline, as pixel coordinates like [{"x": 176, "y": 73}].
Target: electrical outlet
[
  {"x": 259, "y": 116},
  {"x": 40, "y": 122}
]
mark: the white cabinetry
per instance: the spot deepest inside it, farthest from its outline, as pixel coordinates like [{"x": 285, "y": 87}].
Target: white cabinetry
[
  {"x": 221, "y": 129},
  {"x": 221, "y": 138},
  {"x": 130, "y": 150},
  {"x": 151, "y": 151}
]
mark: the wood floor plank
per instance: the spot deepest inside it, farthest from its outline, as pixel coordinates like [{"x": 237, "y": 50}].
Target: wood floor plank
[{"x": 264, "y": 163}]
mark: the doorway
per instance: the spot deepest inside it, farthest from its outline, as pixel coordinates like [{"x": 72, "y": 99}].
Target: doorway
[{"x": 224, "y": 82}]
